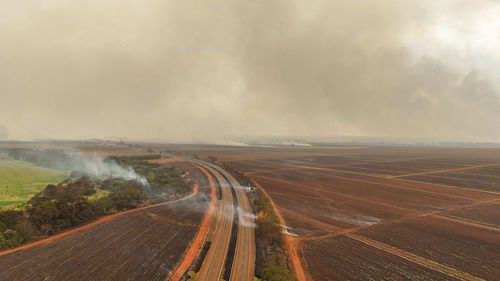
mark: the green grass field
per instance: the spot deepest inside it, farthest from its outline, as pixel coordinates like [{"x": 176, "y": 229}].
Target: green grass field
[{"x": 20, "y": 180}]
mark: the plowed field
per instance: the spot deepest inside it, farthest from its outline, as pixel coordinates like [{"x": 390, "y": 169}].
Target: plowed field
[
  {"x": 435, "y": 210},
  {"x": 145, "y": 244}
]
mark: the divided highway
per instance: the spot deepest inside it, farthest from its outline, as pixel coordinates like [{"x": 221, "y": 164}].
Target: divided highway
[{"x": 243, "y": 265}]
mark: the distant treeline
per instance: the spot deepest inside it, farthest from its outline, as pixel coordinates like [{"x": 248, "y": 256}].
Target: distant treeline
[{"x": 81, "y": 199}]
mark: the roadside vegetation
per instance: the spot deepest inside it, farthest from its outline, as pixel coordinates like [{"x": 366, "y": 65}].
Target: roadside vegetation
[
  {"x": 81, "y": 199},
  {"x": 271, "y": 262}
]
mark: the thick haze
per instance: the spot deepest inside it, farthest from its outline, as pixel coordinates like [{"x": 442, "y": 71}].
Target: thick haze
[{"x": 203, "y": 70}]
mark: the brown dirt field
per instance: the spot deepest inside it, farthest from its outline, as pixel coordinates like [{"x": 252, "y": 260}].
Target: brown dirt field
[
  {"x": 333, "y": 209},
  {"x": 318, "y": 161},
  {"x": 342, "y": 258},
  {"x": 384, "y": 193},
  {"x": 402, "y": 167},
  {"x": 141, "y": 244},
  {"x": 468, "y": 180},
  {"x": 471, "y": 249},
  {"x": 490, "y": 170},
  {"x": 325, "y": 193},
  {"x": 487, "y": 213},
  {"x": 331, "y": 175},
  {"x": 256, "y": 166},
  {"x": 473, "y": 194}
]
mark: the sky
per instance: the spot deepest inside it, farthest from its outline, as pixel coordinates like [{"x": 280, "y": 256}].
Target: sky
[{"x": 211, "y": 70}]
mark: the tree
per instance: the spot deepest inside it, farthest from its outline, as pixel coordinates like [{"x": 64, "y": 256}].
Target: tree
[
  {"x": 274, "y": 273},
  {"x": 12, "y": 239}
]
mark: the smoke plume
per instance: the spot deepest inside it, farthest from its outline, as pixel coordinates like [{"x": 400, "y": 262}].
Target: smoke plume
[{"x": 102, "y": 169}]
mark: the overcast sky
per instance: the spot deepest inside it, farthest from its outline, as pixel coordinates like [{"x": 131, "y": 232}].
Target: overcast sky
[{"x": 212, "y": 69}]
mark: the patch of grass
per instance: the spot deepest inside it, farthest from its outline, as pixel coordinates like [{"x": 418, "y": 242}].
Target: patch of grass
[
  {"x": 20, "y": 180},
  {"x": 193, "y": 276},
  {"x": 10, "y": 204}
]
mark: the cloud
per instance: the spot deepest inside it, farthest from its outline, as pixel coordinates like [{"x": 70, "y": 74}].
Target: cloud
[{"x": 201, "y": 70}]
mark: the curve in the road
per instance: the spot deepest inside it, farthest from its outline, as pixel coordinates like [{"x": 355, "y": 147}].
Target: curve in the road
[
  {"x": 212, "y": 267},
  {"x": 243, "y": 263}
]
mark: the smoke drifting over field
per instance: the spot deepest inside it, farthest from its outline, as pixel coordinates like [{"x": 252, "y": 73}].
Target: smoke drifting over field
[
  {"x": 190, "y": 69},
  {"x": 93, "y": 166},
  {"x": 97, "y": 167}
]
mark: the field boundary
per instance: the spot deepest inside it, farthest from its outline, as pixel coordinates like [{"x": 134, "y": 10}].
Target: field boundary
[{"x": 445, "y": 170}]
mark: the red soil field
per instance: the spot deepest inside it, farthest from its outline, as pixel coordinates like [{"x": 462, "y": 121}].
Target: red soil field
[
  {"x": 401, "y": 167},
  {"x": 424, "y": 186},
  {"x": 468, "y": 180},
  {"x": 384, "y": 193},
  {"x": 302, "y": 205},
  {"x": 257, "y": 165},
  {"x": 474, "y": 250},
  {"x": 487, "y": 213},
  {"x": 144, "y": 244},
  {"x": 342, "y": 258},
  {"x": 379, "y": 192}
]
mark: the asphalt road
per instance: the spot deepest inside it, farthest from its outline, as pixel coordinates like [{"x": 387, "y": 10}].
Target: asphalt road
[
  {"x": 212, "y": 268},
  {"x": 243, "y": 266}
]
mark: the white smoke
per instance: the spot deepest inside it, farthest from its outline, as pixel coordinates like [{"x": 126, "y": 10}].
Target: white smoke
[
  {"x": 97, "y": 167},
  {"x": 247, "y": 219},
  {"x": 359, "y": 220},
  {"x": 287, "y": 230}
]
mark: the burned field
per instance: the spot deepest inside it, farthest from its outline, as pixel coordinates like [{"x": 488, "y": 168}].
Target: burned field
[
  {"x": 142, "y": 244},
  {"x": 413, "y": 210},
  {"x": 343, "y": 258},
  {"x": 485, "y": 177},
  {"x": 467, "y": 247}
]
